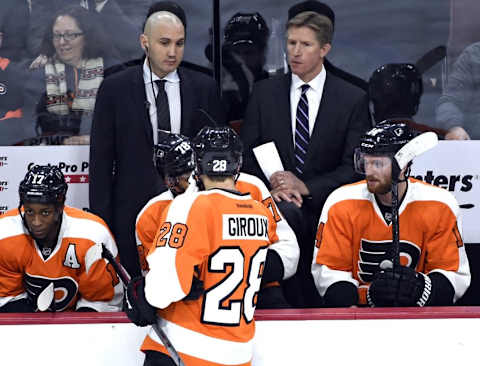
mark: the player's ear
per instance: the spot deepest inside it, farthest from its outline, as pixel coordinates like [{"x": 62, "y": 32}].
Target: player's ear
[{"x": 144, "y": 43}]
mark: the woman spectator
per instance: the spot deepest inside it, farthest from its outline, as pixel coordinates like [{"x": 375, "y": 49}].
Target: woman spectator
[{"x": 77, "y": 52}]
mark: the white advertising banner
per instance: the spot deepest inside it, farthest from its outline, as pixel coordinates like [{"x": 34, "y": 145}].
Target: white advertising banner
[
  {"x": 16, "y": 160},
  {"x": 453, "y": 165}
]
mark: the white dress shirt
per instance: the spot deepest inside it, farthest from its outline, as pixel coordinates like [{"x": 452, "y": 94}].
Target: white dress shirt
[
  {"x": 313, "y": 94},
  {"x": 172, "y": 87}
]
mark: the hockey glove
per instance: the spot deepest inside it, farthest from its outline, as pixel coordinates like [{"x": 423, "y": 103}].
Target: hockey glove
[
  {"x": 399, "y": 286},
  {"x": 196, "y": 290},
  {"x": 139, "y": 311}
]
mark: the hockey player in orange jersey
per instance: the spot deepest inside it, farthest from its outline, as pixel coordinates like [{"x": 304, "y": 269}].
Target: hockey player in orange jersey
[
  {"x": 220, "y": 237},
  {"x": 44, "y": 242},
  {"x": 354, "y": 235},
  {"x": 175, "y": 162}
]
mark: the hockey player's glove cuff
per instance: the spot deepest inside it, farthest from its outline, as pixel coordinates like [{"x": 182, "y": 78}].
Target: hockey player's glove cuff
[{"x": 139, "y": 311}]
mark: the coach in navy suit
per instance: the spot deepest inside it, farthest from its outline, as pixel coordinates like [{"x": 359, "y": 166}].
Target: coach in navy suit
[
  {"x": 127, "y": 118},
  {"x": 316, "y": 120}
]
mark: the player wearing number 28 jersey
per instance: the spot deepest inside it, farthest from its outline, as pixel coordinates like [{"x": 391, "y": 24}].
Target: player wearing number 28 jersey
[
  {"x": 220, "y": 238},
  {"x": 225, "y": 235}
]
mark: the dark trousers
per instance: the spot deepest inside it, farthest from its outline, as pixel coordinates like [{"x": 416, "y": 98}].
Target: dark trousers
[{"x": 300, "y": 290}]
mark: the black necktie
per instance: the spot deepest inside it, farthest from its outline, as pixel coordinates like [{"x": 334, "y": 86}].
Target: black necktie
[
  {"x": 163, "y": 111},
  {"x": 302, "y": 136}
]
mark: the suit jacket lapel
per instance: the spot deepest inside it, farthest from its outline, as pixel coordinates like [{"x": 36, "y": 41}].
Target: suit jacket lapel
[
  {"x": 326, "y": 114},
  {"x": 186, "y": 103},
  {"x": 139, "y": 98},
  {"x": 282, "y": 102}
]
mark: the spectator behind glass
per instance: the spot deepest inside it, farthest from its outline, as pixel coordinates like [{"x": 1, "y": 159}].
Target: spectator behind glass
[
  {"x": 77, "y": 54},
  {"x": 13, "y": 73},
  {"x": 122, "y": 31},
  {"x": 458, "y": 109},
  {"x": 14, "y": 18},
  {"x": 243, "y": 58}
]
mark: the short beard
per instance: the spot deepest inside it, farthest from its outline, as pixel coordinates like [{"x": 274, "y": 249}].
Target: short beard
[{"x": 383, "y": 188}]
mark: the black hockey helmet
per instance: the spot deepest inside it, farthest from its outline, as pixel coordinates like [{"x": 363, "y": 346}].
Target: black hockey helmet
[
  {"x": 246, "y": 28},
  {"x": 394, "y": 90},
  {"x": 173, "y": 155},
  {"x": 386, "y": 138},
  {"x": 43, "y": 184},
  {"x": 218, "y": 152}
]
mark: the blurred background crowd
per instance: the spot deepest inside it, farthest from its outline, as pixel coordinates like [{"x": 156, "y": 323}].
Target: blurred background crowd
[{"x": 54, "y": 54}]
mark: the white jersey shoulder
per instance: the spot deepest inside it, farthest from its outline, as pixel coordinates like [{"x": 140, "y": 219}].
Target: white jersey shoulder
[
  {"x": 355, "y": 191},
  {"x": 11, "y": 226},
  {"x": 88, "y": 229}
]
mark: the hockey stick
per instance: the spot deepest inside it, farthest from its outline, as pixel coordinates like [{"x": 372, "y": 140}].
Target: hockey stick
[
  {"x": 429, "y": 59},
  {"x": 125, "y": 278},
  {"x": 402, "y": 158}
]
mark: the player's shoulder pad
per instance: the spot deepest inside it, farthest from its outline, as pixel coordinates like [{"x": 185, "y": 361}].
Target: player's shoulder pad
[
  {"x": 255, "y": 181},
  {"x": 82, "y": 224},
  {"x": 11, "y": 224},
  {"x": 423, "y": 191},
  {"x": 162, "y": 197},
  {"x": 180, "y": 207},
  {"x": 354, "y": 191}
]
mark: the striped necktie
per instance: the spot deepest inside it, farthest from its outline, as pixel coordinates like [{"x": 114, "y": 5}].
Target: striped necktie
[
  {"x": 163, "y": 111},
  {"x": 302, "y": 136}
]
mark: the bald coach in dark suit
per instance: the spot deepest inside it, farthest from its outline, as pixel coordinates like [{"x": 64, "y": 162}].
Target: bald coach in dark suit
[{"x": 125, "y": 125}]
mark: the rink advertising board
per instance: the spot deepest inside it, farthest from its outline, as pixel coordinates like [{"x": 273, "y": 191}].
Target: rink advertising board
[{"x": 451, "y": 165}]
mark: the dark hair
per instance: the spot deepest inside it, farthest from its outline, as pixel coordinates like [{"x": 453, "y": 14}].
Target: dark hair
[
  {"x": 315, "y": 6},
  {"x": 96, "y": 41}
]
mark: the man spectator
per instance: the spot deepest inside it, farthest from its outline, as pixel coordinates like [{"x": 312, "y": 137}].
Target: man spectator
[
  {"x": 354, "y": 251},
  {"x": 458, "y": 109},
  {"x": 315, "y": 119},
  {"x": 47, "y": 246},
  {"x": 131, "y": 107}
]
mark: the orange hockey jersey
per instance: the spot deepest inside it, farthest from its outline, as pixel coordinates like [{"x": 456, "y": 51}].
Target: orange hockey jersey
[
  {"x": 81, "y": 277},
  {"x": 353, "y": 237},
  {"x": 223, "y": 237},
  {"x": 287, "y": 246}
]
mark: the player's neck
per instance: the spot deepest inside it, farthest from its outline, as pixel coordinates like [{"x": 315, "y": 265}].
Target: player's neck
[
  {"x": 386, "y": 199},
  {"x": 227, "y": 183}
]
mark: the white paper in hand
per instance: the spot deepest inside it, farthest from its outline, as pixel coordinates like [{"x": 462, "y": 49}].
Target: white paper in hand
[{"x": 268, "y": 158}]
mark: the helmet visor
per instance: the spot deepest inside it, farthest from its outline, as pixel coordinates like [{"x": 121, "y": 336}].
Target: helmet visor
[{"x": 365, "y": 163}]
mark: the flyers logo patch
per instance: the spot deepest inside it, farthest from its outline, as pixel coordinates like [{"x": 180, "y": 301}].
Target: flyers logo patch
[
  {"x": 372, "y": 253},
  {"x": 66, "y": 289}
]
